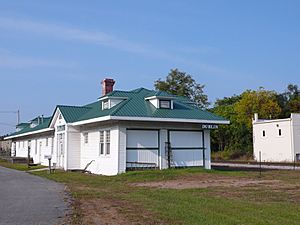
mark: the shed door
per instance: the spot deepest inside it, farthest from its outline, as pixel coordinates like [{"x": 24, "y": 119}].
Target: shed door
[
  {"x": 142, "y": 148},
  {"x": 186, "y": 148}
]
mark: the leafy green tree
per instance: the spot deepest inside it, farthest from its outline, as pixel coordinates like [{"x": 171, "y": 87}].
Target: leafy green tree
[
  {"x": 182, "y": 84},
  {"x": 289, "y": 101},
  {"x": 235, "y": 140},
  {"x": 261, "y": 101}
]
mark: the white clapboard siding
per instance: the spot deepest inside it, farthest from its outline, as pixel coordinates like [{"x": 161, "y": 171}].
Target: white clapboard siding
[{"x": 100, "y": 164}]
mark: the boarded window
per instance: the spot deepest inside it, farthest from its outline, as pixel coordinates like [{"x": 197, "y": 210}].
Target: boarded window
[{"x": 165, "y": 104}]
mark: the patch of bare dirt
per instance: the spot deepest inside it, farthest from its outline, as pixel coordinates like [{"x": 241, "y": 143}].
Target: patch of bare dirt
[
  {"x": 112, "y": 211},
  {"x": 208, "y": 180}
]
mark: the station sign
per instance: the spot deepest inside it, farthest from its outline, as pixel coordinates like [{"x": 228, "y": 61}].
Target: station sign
[{"x": 209, "y": 126}]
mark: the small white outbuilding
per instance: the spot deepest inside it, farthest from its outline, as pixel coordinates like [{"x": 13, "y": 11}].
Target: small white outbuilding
[{"x": 277, "y": 140}]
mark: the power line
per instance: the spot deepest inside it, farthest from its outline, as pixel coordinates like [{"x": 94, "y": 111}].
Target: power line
[
  {"x": 8, "y": 111},
  {"x": 7, "y": 124},
  {"x": 15, "y": 112}
]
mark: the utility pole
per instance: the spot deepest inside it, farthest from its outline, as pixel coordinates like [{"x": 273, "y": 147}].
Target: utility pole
[
  {"x": 18, "y": 115},
  {"x": 13, "y": 112}
]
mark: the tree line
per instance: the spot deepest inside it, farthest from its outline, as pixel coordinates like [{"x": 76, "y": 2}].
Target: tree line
[{"x": 235, "y": 140}]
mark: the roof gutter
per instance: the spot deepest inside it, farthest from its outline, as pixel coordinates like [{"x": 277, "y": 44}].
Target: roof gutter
[
  {"x": 154, "y": 119},
  {"x": 29, "y": 133},
  {"x": 150, "y": 119}
]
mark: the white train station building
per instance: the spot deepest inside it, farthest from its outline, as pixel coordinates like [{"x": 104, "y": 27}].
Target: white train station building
[{"x": 121, "y": 130}]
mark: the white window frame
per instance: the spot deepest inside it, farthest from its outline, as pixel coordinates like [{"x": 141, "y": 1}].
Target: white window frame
[
  {"x": 107, "y": 142},
  {"x": 101, "y": 143},
  {"x": 106, "y": 104},
  {"x": 104, "y": 141},
  {"x": 162, "y": 106}
]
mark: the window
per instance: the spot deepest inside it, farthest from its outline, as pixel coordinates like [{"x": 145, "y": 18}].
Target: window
[
  {"x": 23, "y": 144},
  {"x": 60, "y": 128},
  {"x": 101, "y": 143},
  {"x": 165, "y": 104},
  {"x": 47, "y": 141},
  {"x": 86, "y": 138},
  {"x": 52, "y": 145},
  {"x": 279, "y": 132},
  {"x": 60, "y": 116},
  {"x": 297, "y": 157},
  {"x": 106, "y": 104},
  {"x": 107, "y": 140},
  {"x": 264, "y": 133}
]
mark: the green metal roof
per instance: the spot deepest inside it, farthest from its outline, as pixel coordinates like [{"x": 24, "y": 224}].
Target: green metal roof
[
  {"x": 43, "y": 124},
  {"x": 160, "y": 94},
  {"x": 22, "y": 125},
  {"x": 134, "y": 105},
  {"x": 72, "y": 113}
]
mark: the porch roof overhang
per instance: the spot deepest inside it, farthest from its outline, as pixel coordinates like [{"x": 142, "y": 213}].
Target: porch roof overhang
[{"x": 29, "y": 133}]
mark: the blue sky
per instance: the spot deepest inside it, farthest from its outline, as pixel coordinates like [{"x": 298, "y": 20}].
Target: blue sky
[{"x": 57, "y": 52}]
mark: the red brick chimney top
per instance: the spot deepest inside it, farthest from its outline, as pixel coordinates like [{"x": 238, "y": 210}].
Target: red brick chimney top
[{"x": 107, "y": 86}]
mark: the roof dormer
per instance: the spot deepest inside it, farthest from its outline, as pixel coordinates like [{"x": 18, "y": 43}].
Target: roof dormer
[
  {"x": 36, "y": 121},
  {"x": 161, "y": 100},
  {"x": 21, "y": 126},
  {"x": 108, "y": 102}
]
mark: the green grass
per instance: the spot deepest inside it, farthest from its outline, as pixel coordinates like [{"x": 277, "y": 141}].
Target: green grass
[
  {"x": 218, "y": 205},
  {"x": 21, "y": 167}
]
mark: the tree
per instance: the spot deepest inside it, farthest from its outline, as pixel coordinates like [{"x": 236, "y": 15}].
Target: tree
[
  {"x": 182, "y": 84},
  {"x": 235, "y": 140},
  {"x": 261, "y": 101},
  {"x": 222, "y": 137},
  {"x": 289, "y": 101}
]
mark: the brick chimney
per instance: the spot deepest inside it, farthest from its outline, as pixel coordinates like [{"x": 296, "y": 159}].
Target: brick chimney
[{"x": 107, "y": 86}]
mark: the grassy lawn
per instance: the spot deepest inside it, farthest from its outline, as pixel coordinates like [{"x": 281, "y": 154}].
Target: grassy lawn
[
  {"x": 22, "y": 167},
  {"x": 209, "y": 197}
]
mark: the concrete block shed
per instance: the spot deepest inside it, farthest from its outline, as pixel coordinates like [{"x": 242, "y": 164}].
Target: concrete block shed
[
  {"x": 277, "y": 140},
  {"x": 122, "y": 130}
]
